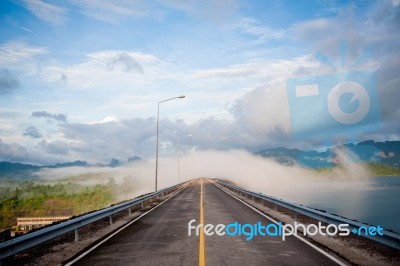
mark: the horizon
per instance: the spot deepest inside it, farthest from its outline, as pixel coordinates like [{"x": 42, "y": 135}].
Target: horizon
[{"x": 376, "y": 155}]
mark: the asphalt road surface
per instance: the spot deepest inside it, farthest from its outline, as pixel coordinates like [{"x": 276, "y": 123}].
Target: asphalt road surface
[{"x": 161, "y": 236}]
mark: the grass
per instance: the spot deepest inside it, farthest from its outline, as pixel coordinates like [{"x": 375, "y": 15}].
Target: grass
[
  {"x": 376, "y": 169},
  {"x": 63, "y": 198},
  {"x": 379, "y": 169}
]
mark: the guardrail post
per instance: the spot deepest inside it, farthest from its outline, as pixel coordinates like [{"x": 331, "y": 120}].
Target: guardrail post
[
  {"x": 141, "y": 205},
  {"x": 76, "y": 235},
  {"x": 274, "y": 207},
  {"x": 295, "y": 215},
  {"x": 111, "y": 219},
  {"x": 129, "y": 211}
]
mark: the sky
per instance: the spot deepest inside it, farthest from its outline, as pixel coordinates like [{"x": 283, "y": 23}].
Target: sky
[{"x": 81, "y": 79}]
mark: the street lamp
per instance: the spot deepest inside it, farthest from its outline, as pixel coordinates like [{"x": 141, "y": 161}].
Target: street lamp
[
  {"x": 158, "y": 119},
  {"x": 179, "y": 150}
]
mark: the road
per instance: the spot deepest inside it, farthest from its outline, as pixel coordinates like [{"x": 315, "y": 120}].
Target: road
[{"x": 161, "y": 236}]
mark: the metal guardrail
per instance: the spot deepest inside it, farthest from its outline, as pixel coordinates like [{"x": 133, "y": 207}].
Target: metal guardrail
[
  {"x": 388, "y": 238},
  {"x": 24, "y": 242}
]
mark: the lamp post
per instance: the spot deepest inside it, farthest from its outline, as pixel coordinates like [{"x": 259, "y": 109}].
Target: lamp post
[
  {"x": 158, "y": 119},
  {"x": 179, "y": 151}
]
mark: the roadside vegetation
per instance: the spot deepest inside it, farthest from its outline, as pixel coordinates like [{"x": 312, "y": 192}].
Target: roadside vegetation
[
  {"x": 380, "y": 169},
  {"x": 63, "y": 198},
  {"x": 376, "y": 169}
]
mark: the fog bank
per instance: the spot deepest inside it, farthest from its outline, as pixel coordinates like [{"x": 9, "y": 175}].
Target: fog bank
[{"x": 245, "y": 169}]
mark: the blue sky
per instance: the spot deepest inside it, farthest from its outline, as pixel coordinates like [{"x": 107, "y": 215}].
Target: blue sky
[{"x": 81, "y": 79}]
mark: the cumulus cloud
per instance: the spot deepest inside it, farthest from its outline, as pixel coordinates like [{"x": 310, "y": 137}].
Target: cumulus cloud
[
  {"x": 12, "y": 152},
  {"x": 125, "y": 62},
  {"x": 32, "y": 132},
  {"x": 107, "y": 69},
  {"x": 119, "y": 139},
  {"x": 55, "y": 147},
  {"x": 370, "y": 38},
  {"x": 263, "y": 110},
  {"x": 113, "y": 139},
  {"x": 58, "y": 117},
  {"x": 121, "y": 60},
  {"x": 122, "y": 138},
  {"x": 8, "y": 82}
]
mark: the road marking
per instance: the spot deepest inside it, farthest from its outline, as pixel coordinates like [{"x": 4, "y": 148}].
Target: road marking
[
  {"x": 123, "y": 227},
  {"x": 202, "y": 255},
  {"x": 276, "y": 222}
]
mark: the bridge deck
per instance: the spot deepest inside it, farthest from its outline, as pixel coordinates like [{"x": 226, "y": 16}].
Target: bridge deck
[{"x": 161, "y": 237}]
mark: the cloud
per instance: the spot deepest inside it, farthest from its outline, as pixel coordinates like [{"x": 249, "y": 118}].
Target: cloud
[
  {"x": 125, "y": 62},
  {"x": 122, "y": 139},
  {"x": 265, "y": 71},
  {"x": 371, "y": 33},
  {"x": 46, "y": 12},
  {"x": 252, "y": 27},
  {"x": 227, "y": 72},
  {"x": 16, "y": 52},
  {"x": 8, "y": 82},
  {"x": 12, "y": 152},
  {"x": 113, "y": 11},
  {"x": 267, "y": 176},
  {"x": 214, "y": 11},
  {"x": 262, "y": 111},
  {"x": 32, "y": 132},
  {"x": 112, "y": 139},
  {"x": 58, "y": 117},
  {"x": 234, "y": 99},
  {"x": 55, "y": 147},
  {"x": 122, "y": 60},
  {"x": 104, "y": 69}
]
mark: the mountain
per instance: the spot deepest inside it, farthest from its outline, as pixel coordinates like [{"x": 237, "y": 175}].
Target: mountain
[
  {"x": 6, "y": 167},
  {"x": 69, "y": 164},
  {"x": 134, "y": 159},
  {"x": 114, "y": 162},
  {"x": 22, "y": 171},
  {"x": 387, "y": 152}
]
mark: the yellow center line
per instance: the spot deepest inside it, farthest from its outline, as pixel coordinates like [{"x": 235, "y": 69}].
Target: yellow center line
[{"x": 202, "y": 254}]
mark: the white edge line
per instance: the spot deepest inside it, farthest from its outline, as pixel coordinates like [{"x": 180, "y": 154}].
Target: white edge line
[
  {"x": 123, "y": 227},
  {"x": 273, "y": 220}
]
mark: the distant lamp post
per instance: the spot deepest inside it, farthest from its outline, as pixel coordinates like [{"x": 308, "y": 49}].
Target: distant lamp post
[
  {"x": 179, "y": 151},
  {"x": 158, "y": 119}
]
